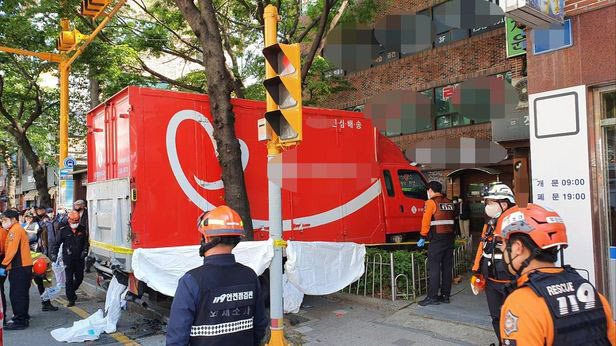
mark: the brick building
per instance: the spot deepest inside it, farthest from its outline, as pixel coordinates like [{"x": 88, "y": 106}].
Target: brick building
[
  {"x": 585, "y": 62},
  {"x": 455, "y": 56}
]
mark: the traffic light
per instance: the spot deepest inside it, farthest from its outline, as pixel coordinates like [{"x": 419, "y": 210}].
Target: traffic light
[
  {"x": 69, "y": 39},
  {"x": 285, "y": 89},
  {"x": 93, "y": 8}
]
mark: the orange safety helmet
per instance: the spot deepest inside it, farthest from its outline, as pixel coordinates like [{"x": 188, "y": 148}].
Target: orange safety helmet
[
  {"x": 544, "y": 227},
  {"x": 73, "y": 217},
  {"x": 39, "y": 266},
  {"x": 221, "y": 221}
]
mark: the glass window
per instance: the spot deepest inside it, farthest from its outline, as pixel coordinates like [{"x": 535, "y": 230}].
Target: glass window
[
  {"x": 608, "y": 105},
  {"x": 547, "y": 40},
  {"x": 412, "y": 184},
  {"x": 389, "y": 184}
]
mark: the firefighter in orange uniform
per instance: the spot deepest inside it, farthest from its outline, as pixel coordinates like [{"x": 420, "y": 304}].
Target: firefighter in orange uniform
[
  {"x": 18, "y": 262},
  {"x": 548, "y": 305},
  {"x": 438, "y": 226},
  {"x": 489, "y": 264},
  {"x": 3, "y": 234}
]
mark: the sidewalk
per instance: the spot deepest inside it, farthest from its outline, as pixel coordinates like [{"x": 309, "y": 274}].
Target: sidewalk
[{"x": 339, "y": 320}]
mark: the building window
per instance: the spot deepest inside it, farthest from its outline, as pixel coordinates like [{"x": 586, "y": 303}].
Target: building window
[
  {"x": 412, "y": 184},
  {"x": 549, "y": 40},
  {"x": 358, "y": 108}
]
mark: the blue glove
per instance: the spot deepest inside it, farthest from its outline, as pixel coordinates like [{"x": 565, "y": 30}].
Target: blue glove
[
  {"x": 421, "y": 242},
  {"x": 2, "y": 272}
]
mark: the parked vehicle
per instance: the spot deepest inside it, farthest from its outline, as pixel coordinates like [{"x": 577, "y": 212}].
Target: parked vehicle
[{"x": 152, "y": 169}]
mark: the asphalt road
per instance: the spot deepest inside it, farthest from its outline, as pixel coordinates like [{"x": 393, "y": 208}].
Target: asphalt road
[{"x": 133, "y": 327}]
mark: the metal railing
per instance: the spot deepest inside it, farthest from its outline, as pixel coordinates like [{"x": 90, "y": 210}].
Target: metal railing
[{"x": 383, "y": 279}]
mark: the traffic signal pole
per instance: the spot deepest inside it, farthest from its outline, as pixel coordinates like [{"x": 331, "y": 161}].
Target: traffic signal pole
[{"x": 271, "y": 19}]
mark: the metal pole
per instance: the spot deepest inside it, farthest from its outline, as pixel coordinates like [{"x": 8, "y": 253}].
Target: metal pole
[
  {"x": 270, "y": 16},
  {"x": 275, "y": 232},
  {"x": 64, "y": 72},
  {"x": 393, "y": 280}
]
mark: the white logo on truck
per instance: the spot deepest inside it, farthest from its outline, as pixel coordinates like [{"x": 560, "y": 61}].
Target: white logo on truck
[{"x": 315, "y": 220}]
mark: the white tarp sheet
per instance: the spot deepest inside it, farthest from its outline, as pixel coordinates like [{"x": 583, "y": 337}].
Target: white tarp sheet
[
  {"x": 319, "y": 268},
  {"x": 91, "y": 328},
  {"x": 162, "y": 268},
  {"x": 315, "y": 268}
]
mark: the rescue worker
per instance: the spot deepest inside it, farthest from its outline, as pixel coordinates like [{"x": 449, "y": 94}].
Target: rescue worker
[
  {"x": 42, "y": 275},
  {"x": 549, "y": 305},
  {"x": 488, "y": 263},
  {"x": 438, "y": 226},
  {"x": 18, "y": 262},
  {"x": 80, "y": 207},
  {"x": 75, "y": 249},
  {"x": 220, "y": 302},
  {"x": 3, "y": 233}
]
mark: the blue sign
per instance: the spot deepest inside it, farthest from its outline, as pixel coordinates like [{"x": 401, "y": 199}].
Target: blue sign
[
  {"x": 66, "y": 174},
  {"x": 69, "y": 162},
  {"x": 67, "y": 189},
  {"x": 548, "y": 40}
]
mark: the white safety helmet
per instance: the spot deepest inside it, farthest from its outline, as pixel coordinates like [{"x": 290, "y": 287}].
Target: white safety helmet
[{"x": 498, "y": 191}]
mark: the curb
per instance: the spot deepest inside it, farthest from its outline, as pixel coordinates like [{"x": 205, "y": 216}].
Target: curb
[{"x": 374, "y": 303}]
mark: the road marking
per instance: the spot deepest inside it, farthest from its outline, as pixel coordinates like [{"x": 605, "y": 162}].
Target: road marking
[{"x": 121, "y": 338}]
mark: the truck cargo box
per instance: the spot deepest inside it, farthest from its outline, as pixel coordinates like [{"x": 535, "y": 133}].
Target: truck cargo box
[{"x": 153, "y": 170}]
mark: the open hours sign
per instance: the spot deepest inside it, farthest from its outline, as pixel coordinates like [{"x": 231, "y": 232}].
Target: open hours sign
[{"x": 560, "y": 170}]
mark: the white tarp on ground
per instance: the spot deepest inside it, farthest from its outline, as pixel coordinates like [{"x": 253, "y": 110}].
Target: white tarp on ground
[
  {"x": 162, "y": 268},
  {"x": 91, "y": 328},
  {"x": 315, "y": 268},
  {"x": 319, "y": 268}
]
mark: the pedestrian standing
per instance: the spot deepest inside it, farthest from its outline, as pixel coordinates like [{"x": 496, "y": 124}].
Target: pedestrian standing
[
  {"x": 489, "y": 263},
  {"x": 52, "y": 231},
  {"x": 18, "y": 262},
  {"x": 464, "y": 218},
  {"x": 75, "y": 249},
  {"x": 80, "y": 207},
  {"x": 549, "y": 305},
  {"x": 32, "y": 230},
  {"x": 3, "y": 234},
  {"x": 220, "y": 302},
  {"x": 438, "y": 226}
]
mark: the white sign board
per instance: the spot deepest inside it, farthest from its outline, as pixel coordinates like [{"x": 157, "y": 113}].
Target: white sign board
[{"x": 560, "y": 167}]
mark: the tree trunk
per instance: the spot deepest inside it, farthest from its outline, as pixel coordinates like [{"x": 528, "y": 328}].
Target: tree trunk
[
  {"x": 10, "y": 176},
  {"x": 204, "y": 24},
  {"x": 332, "y": 25},
  {"x": 95, "y": 89},
  {"x": 317, "y": 39},
  {"x": 38, "y": 168}
]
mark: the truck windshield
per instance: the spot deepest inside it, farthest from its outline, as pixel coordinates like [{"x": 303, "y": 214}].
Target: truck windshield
[{"x": 412, "y": 184}]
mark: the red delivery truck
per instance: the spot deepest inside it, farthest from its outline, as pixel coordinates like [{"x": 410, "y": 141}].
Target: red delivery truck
[{"x": 153, "y": 169}]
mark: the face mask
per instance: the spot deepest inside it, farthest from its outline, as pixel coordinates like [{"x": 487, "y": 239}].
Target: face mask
[
  {"x": 74, "y": 225},
  {"x": 428, "y": 193},
  {"x": 50, "y": 215},
  {"x": 6, "y": 224},
  {"x": 493, "y": 210}
]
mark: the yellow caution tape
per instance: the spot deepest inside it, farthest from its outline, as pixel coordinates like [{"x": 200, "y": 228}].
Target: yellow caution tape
[
  {"x": 112, "y": 248},
  {"x": 280, "y": 243}
]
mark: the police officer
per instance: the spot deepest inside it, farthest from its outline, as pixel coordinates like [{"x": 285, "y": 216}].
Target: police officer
[
  {"x": 18, "y": 262},
  {"x": 220, "y": 302},
  {"x": 549, "y": 305},
  {"x": 488, "y": 263},
  {"x": 75, "y": 239},
  {"x": 438, "y": 225}
]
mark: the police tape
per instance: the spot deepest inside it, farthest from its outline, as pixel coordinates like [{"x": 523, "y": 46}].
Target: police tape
[{"x": 112, "y": 248}]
